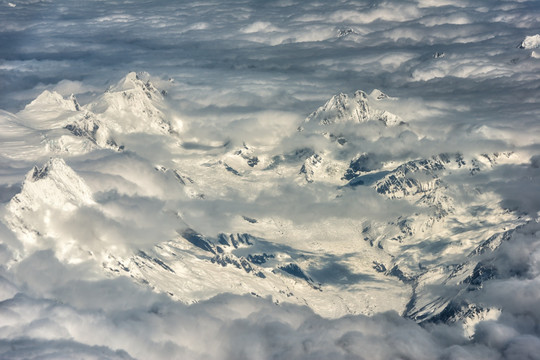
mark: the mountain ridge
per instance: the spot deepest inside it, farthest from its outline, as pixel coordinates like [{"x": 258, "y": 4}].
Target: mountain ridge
[{"x": 269, "y": 254}]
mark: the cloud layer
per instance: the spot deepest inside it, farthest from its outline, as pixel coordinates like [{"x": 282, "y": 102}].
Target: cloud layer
[
  {"x": 91, "y": 317},
  {"x": 250, "y": 72}
]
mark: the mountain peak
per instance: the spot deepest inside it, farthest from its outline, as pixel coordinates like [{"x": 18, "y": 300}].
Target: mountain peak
[
  {"x": 51, "y": 166},
  {"x": 343, "y": 109},
  {"x": 379, "y": 95},
  {"x": 55, "y": 184},
  {"x": 133, "y": 105},
  {"x": 136, "y": 81},
  {"x": 360, "y": 95},
  {"x": 52, "y": 101},
  {"x": 48, "y": 192}
]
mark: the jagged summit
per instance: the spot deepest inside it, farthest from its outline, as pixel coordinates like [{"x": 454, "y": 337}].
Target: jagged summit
[
  {"x": 91, "y": 128},
  {"x": 48, "y": 193},
  {"x": 76, "y": 104},
  {"x": 53, "y": 124},
  {"x": 346, "y": 31},
  {"x": 135, "y": 80},
  {"x": 342, "y": 108},
  {"x": 55, "y": 184},
  {"x": 134, "y": 104}
]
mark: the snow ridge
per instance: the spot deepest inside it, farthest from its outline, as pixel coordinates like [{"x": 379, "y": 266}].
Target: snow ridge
[
  {"x": 133, "y": 105},
  {"x": 262, "y": 254},
  {"x": 342, "y": 108},
  {"x": 54, "y": 184},
  {"x": 47, "y": 192}
]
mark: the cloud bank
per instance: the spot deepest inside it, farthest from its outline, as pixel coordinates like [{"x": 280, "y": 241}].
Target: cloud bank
[
  {"x": 63, "y": 313},
  {"x": 242, "y": 76}
]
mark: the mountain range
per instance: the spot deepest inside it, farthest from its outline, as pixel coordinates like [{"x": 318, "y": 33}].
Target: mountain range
[{"x": 331, "y": 217}]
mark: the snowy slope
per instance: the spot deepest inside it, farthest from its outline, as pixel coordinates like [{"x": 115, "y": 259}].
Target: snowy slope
[
  {"x": 190, "y": 267},
  {"x": 322, "y": 247},
  {"x": 42, "y": 124},
  {"x": 343, "y": 108},
  {"x": 48, "y": 194},
  {"x": 54, "y": 125},
  {"x": 133, "y": 105},
  {"x": 49, "y": 110}
]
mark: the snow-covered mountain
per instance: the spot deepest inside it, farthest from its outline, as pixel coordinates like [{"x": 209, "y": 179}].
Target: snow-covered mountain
[
  {"x": 54, "y": 125},
  {"x": 343, "y": 108},
  {"x": 189, "y": 266},
  {"x": 133, "y": 105},
  {"x": 48, "y": 193},
  {"x": 429, "y": 225},
  {"x": 291, "y": 180}
]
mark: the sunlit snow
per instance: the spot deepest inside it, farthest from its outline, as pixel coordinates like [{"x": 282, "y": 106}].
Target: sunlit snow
[{"x": 256, "y": 180}]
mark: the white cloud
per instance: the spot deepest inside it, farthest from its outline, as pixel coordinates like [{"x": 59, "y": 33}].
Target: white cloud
[
  {"x": 251, "y": 72},
  {"x": 260, "y": 27},
  {"x": 384, "y": 12}
]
